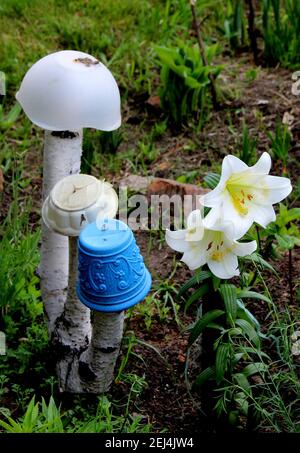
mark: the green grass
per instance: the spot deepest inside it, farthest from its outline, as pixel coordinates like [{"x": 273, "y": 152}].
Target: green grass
[
  {"x": 121, "y": 34},
  {"x": 48, "y": 418}
]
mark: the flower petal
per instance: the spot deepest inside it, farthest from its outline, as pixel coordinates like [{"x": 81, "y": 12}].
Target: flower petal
[
  {"x": 214, "y": 198},
  {"x": 215, "y": 222},
  {"x": 194, "y": 258},
  {"x": 195, "y": 225},
  {"x": 195, "y": 234},
  {"x": 263, "y": 214},
  {"x": 232, "y": 164},
  {"x": 263, "y": 165},
  {"x": 194, "y": 219},
  {"x": 278, "y": 188},
  {"x": 176, "y": 240},
  {"x": 213, "y": 218},
  {"x": 227, "y": 268},
  {"x": 241, "y": 223},
  {"x": 245, "y": 248}
]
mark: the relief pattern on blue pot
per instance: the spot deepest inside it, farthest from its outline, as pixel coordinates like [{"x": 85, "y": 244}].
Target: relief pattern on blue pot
[{"x": 115, "y": 275}]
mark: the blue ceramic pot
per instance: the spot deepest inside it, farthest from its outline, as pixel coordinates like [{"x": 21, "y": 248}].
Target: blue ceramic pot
[{"x": 112, "y": 272}]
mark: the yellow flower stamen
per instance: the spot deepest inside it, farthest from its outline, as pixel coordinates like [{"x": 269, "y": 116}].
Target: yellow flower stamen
[
  {"x": 240, "y": 197},
  {"x": 217, "y": 249},
  {"x": 191, "y": 231},
  {"x": 218, "y": 256}
]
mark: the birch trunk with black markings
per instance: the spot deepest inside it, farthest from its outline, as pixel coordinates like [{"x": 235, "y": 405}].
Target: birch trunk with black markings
[
  {"x": 94, "y": 371},
  {"x": 72, "y": 333},
  {"x": 62, "y": 156}
]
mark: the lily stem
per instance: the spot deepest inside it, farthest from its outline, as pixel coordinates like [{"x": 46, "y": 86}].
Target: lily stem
[{"x": 258, "y": 238}]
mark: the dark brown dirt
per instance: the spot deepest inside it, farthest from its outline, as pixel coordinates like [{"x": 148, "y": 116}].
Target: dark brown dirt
[{"x": 165, "y": 402}]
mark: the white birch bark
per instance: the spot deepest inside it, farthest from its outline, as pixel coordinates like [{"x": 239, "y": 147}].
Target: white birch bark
[
  {"x": 94, "y": 372},
  {"x": 72, "y": 331},
  {"x": 62, "y": 155}
]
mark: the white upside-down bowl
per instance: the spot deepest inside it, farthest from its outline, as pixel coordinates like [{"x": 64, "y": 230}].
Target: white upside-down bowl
[
  {"x": 76, "y": 201},
  {"x": 70, "y": 90}
]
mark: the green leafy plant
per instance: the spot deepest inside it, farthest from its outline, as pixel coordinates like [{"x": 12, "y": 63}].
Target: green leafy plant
[
  {"x": 48, "y": 418},
  {"x": 34, "y": 420},
  {"x": 146, "y": 153},
  {"x": 130, "y": 342},
  {"x": 147, "y": 311},
  {"x": 106, "y": 421},
  {"x": 160, "y": 304},
  {"x": 164, "y": 297},
  {"x": 234, "y": 27},
  {"x": 188, "y": 177},
  {"x": 185, "y": 80},
  {"x": 281, "y": 32},
  {"x": 275, "y": 403},
  {"x": 20, "y": 303},
  {"x": 281, "y": 145},
  {"x": 159, "y": 129},
  {"x": 20, "y": 296},
  {"x": 251, "y": 75},
  {"x": 234, "y": 347},
  {"x": 283, "y": 234},
  {"x": 248, "y": 152}
]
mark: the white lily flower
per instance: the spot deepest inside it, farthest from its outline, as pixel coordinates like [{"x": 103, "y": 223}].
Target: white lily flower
[
  {"x": 212, "y": 246},
  {"x": 246, "y": 194}
]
